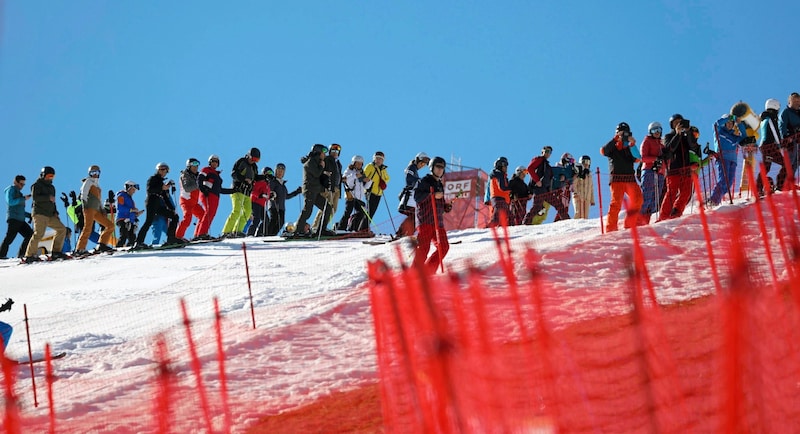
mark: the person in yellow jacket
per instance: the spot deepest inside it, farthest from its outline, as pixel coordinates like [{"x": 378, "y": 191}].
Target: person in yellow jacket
[
  {"x": 93, "y": 211},
  {"x": 376, "y": 171},
  {"x": 583, "y": 185}
]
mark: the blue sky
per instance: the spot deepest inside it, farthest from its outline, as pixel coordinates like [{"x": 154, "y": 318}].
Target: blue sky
[{"x": 128, "y": 84}]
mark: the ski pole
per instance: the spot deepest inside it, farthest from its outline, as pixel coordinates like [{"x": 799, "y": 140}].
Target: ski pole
[
  {"x": 391, "y": 219},
  {"x": 321, "y": 225}
]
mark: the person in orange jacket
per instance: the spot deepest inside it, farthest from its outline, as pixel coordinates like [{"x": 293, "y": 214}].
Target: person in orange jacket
[
  {"x": 499, "y": 191},
  {"x": 622, "y": 153}
]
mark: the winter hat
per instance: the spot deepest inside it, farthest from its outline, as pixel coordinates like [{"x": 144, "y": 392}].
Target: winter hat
[{"x": 254, "y": 153}]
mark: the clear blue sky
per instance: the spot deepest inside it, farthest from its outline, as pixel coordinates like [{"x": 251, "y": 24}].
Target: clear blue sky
[{"x": 128, "y": 84}]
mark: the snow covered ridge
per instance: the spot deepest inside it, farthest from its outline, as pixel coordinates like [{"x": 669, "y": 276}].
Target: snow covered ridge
[{"x": 314, "y": 331}]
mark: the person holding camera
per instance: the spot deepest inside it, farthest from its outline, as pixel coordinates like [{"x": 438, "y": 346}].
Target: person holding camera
[
  {"x": 158, "y": 203},
  {"x": 679, "y": 145},
  {"x": 652, "y": 172},
  {"x": 728, "y": 136},
  {"x": 15, "y": 218},
  {"x": 407, "y": 205},
  {"x": 622, "y": 154},
  {"x": 789, "y": 126}
]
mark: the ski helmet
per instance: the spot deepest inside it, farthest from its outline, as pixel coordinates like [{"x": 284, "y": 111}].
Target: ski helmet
[
  {"x": 267, "y": 171},
  {"x": 437, "y": 161},
  {"x": 213, "y": 157},
  {"x": 254, "y": 154},
  {"x": 192, "y": 162},
  {"x": 93, "y": 168},
  {"x": 131, "y": 184},
  {"x": 624, "y": 127},
  {"x": 357, "y": 159},
  {"x": 520, "y": 171},
  {"x": 280, "y": 166},
  {"x": 586, "y": 159},
  {"x": 500, "y": 163},
  {"x": 319, "y": 149},
  {"x": 773, "y": 104},
  {"x": 547, "y": 150},
  {"x": 567, "y": 159},
  {"x": 673, "y": 118},
  {"x": 162, "y": 165},
  {"x": 336, "y": 147},
  {"x": 653, "y": 126},
  {"x": 420, "y": 157},
  {"x": 47, "y": 170}
]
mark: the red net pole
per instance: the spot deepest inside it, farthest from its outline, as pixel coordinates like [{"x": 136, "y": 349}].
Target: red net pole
[
  {"x": 50, "y": 378},
  {"x": 249, "y": 288},
  {"x": 196, "y": 368},
  {"x": 163, "y": 396},
  {"x": 223, "y": 379},
  {"x": 707, "y": 234},
  {"x": 600, "y": 202},
  {"x": 11, "y": 420},
  {"x": 436, "y": 229},
  {"x": 775, "y": 221},
  {"x": 30, "y": 354}
]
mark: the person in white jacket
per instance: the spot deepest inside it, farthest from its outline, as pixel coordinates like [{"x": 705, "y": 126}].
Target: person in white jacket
[
  {"x": 358, "y": 184},
  {"x": 583, "y": 185},
  {"x": 93, "y": 211}
]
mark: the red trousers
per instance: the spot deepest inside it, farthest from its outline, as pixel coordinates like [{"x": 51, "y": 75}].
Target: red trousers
[
  {"x": 191, "y": 207},
  {"x": 210, "y": 203},
  {"x": 618, "y": 192},
  {"x": 425, "y": 235}
]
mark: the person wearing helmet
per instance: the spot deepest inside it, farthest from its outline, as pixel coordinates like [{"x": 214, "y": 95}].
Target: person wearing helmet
[
  {"x": 158, "y": 203},
  {"x": 431, "y": 207},
  {"x": 560, "y": 190},
  {"x": 540, "y": 184},
  {"x": 499, "y": 193},
  {"x": 315, "y": 177},
  {"x": 16, "y": 217},
  {"x": 769, "y": 139},
  {"x": 127, "y": 215},
  {"x": 519, "y": 194},
  {"x": 789, "y": 127},
  {"x": 93, "y": 211},
  {"x": 729, "y": 136},
  {"x": 190, "y": 198},
  {"x": 653, "y": 170},
  {"x": 407, "y": 205},
  {"x": 621, "y": 161},
  {"x": 583, "y": 188},
  {"x": 244, "y": 174},
  {"x": 356, "y": 185},
  {"x": 378, "y": 173},
  {"x": 277, "y": 206},
  {"x": 679, "y": 145},
  {"x": 259, "y": 197},
  {"x": 209, "y": 182},
  {"x": 44, "y": 214},
  {"x": 333, "y": 189}
]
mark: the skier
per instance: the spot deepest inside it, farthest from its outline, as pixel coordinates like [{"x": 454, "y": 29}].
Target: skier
[
  {"x": 44, "y": 215},
  {"x": 679, "y": 145},
  {"x": 623, "y": 177},
  {"x": 583, "y": 194},
  {"x": 789, "y": 126},
  {"x": 210, "y": 184},
  {"x": 93, "y": 211},
  {"x": 333, "y": 190},
  {"x": 190, "y": 198},
  {"x": 277, "y": 208},
  {"x": 314, "y": 180},
  {"x": 259, "y": 197},
  {"x": 243, "y": 173},
  {"x": 770, "y": 139},
  {"x": 499, "y": 192},
  {"x": 15, "y": 218},
  {"x": 653, "y": 171},
  {"x": 357, "y": 184},
  {"x": 519, "y": 195},
  {"x": 431, "y": 207},
  {"x": 377, "y": 172},
  {"x": 541, "y": 181},
  {"x": 729, "y": 135},
  {"x": 561, "y": 189},
  {"x": 127, "y": 214},
  {"x": 158, "y": 203},
  {"x": 407, "y": 205}
]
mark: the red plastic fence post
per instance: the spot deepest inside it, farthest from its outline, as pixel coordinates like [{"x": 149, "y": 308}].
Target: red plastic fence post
[
  {"x": 439, "y": 252},
  {"x": 11, "y": 419},
  {"x": 30, "y": 354},
  {"x": 50, "y": 378},
  {"x": 249, "y": 288},
  {"x": 707, "y": 234},
  {"x": 223, "y": 379},
  {"x": 787, "y": 162},
  {"x": 196, "y": 368},
  {"x": 600, "y": 202},
  {"x": 732, "y": 346},
  {"x": 163, "y": 397},
  {"x": 775, "y": 221}
]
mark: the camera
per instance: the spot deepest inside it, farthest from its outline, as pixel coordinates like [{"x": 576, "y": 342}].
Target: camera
[
  {"x": 685, "y": 123},
  {"x": 657, "y": 164}
]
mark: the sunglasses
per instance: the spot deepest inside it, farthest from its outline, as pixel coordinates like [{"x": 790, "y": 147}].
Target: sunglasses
[
  {"x": 163, "y": 168},
  {"x": 213, "y": 161},
  {"x": 94, "y": 173}
]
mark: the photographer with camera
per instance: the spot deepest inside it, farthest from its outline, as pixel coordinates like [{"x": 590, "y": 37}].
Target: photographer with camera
[
  {"x": 621, "y": 158},
  {"x": 653, "y": 170},
  {"x": 407, "y": 205},
  {"x": 159, "y": 203},
  {"x": 728, "y": 136},
  {"x": 679, "y": 144}
]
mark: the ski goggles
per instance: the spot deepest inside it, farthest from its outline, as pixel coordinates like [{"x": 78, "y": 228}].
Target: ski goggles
[
  {"x": 127, "y": 186},
  {"x": 255, "y": 159},
  {"x": 49, "y": 176},
  {"x": 656, "y": 130},
  {"x": 195, "y": 163},
  {"x": 94, "y": 173}
]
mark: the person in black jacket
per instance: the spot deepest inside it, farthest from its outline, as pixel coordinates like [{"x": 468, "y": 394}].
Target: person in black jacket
[
  {"x": 519, "y": 195},
  {"x": 158, "y": 203},
  {"x": 621, "y": 161},
  {"x": 431, "y": 206},
  {"x": 682, "y": 154},
  {"x": 333, "y": 190},
  {"x": 277, "y": 205},
  {"x": 315, "y": 177},
  {"x": 243, "y": 173},
  {"x": 45, "y": 215}
]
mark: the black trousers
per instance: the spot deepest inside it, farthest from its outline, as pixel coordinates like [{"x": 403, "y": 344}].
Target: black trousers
[{"x": 16, "y": 227}]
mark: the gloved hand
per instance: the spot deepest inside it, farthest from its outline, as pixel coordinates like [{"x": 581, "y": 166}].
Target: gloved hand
[
  {"x": 7, "y": 305},
  {"x": 448, "y": 207},
  {"x": 298, "y": 190},
  {"x": 65, "y": 200}
]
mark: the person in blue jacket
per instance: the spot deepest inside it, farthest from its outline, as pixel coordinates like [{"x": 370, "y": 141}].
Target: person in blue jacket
[
  {"x": 16, "y": 217},
  {"x": 6, "y": 329},
  {"x": 789, "y": 125},
  {"x": 728, "y": 135}
]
